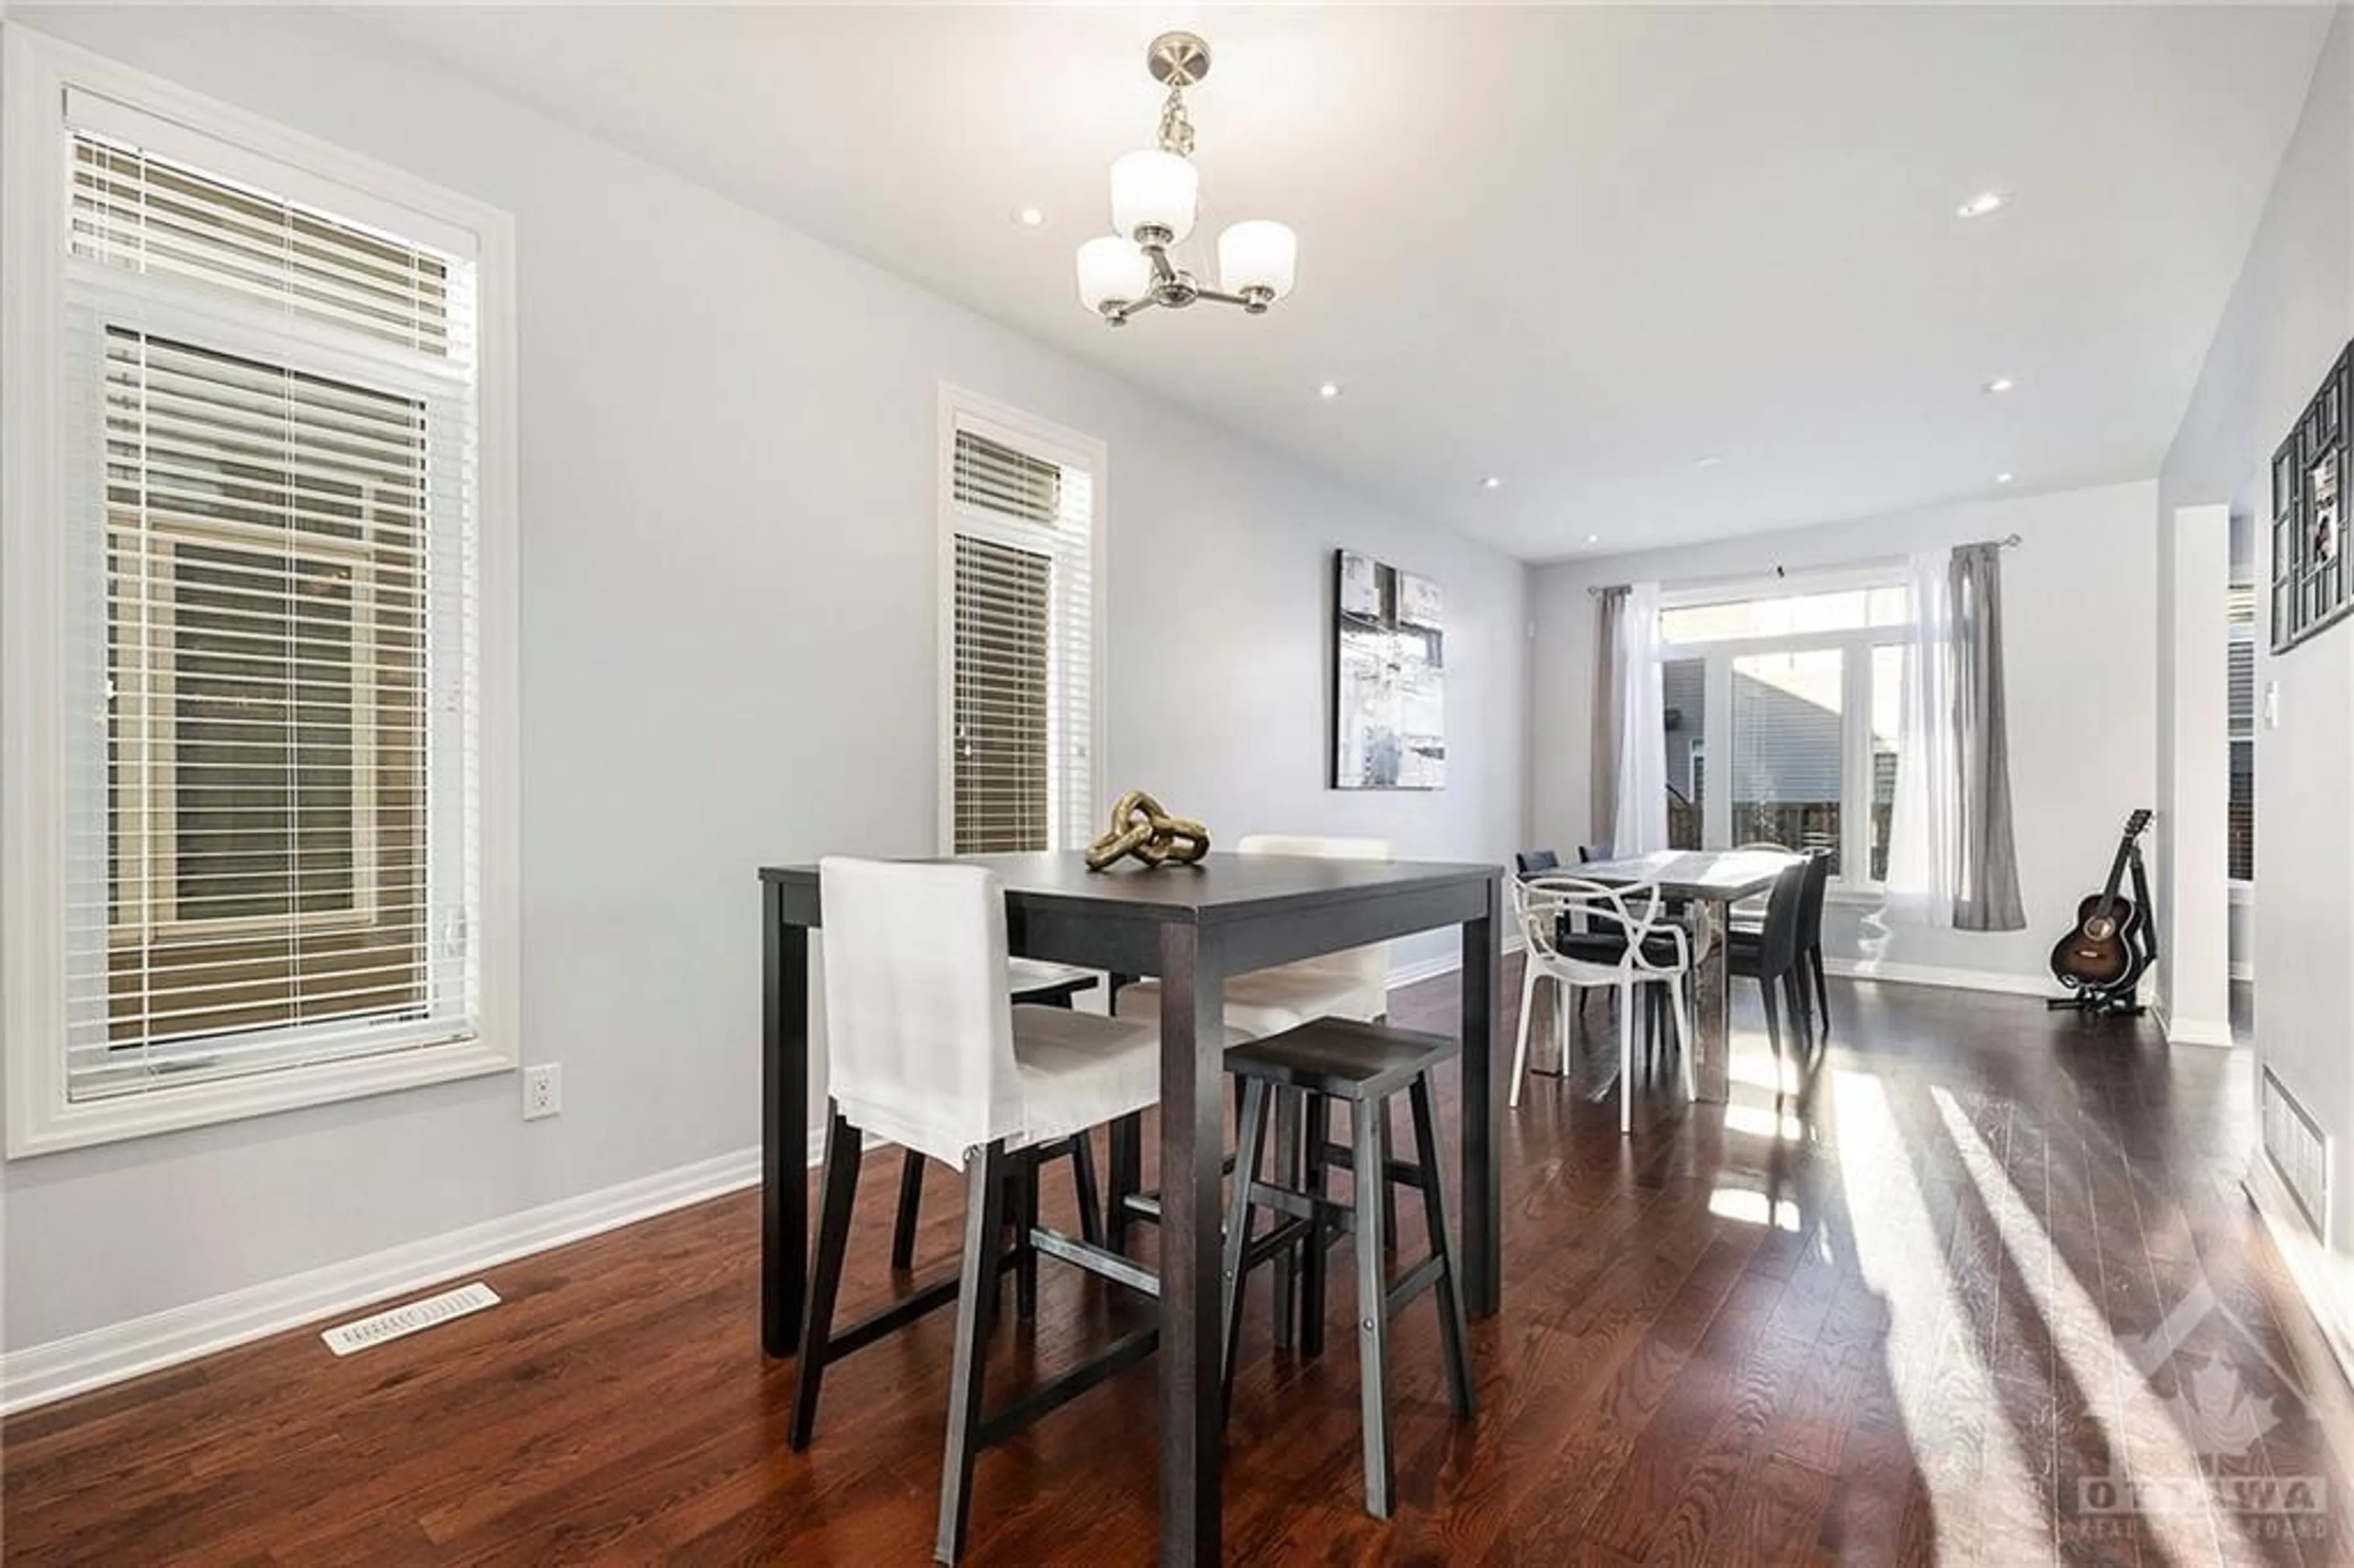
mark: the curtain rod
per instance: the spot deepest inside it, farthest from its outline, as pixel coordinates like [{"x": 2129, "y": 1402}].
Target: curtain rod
[{"x": 2008, "y": 542}]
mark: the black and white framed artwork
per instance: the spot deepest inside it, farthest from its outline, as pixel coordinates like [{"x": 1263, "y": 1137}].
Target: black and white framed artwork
[{"x": 1389, "y": 684}]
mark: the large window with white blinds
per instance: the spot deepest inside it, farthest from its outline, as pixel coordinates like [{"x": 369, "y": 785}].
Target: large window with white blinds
[
  {"x": 1020, "y": 638},
  {"x": 262, "y": 839}
]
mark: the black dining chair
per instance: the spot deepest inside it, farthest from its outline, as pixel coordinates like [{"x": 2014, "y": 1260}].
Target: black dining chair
[
  {"x": 1771, "y": 955},
  {"x": 1748, "y": 916},
  {"x": 1810, "y": 936},
  {"x": 1536, "y": 863}
]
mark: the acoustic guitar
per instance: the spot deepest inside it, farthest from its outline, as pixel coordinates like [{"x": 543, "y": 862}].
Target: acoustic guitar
[{"x": 2105, "y": 951}]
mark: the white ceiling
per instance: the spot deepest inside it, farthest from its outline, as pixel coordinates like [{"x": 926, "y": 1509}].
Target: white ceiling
[{"x": 1578, "y": 249}]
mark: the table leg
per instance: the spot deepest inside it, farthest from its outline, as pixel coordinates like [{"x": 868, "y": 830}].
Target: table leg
[
  {"x": 1192, "y": 1069},
  {"x": 1712, "y": 1047},
  {"x": 1483, "y": 1113},
  {"x": 784, "y": 1124}
]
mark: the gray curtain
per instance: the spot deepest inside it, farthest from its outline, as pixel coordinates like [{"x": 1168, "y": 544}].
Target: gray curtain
[
  {"x": 1609, "y": 606},
  {"x": 1986, "y": 896}
]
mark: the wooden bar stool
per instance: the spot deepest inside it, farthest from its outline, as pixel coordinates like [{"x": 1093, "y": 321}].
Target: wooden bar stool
[{"x": 1363, "y": 1065}]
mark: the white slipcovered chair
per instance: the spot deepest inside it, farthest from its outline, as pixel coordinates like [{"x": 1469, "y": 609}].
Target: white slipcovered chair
[
  {"x": 925, "y": 1048},
  {"x": 1354, "y": 984}
]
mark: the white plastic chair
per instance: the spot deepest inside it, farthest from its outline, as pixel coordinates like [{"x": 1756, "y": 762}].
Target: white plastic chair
[
  {"x": 925, "y": 1049},
  {"x": 1642, "y": 948}
]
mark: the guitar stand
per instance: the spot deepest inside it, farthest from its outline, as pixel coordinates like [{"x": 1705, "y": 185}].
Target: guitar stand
[{"x": 2119, "y": 1002}]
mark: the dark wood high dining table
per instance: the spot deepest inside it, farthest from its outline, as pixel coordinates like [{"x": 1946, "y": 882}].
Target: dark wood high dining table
[
  {"x": 1192, "y": 926},
  {"x": 1710, "y": 882}
]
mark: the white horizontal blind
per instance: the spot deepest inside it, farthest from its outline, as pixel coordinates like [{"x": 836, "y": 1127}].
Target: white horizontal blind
[
  {"x": 2241, "y": 714},
  {"x": 272, "y": 623},
  {"x": 1023, "y": 701},
  {"x": 147, "y": 214}
]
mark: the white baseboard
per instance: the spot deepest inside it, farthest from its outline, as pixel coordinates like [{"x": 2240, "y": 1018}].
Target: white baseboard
[
  {"x": 1432, "y": 967},
  {"x": 2309, "y": 1260},
  {"x": 2193, "y": 1031},
  {"x": 1998, "y": 980},
  {"x": 40, "y": 1375}
]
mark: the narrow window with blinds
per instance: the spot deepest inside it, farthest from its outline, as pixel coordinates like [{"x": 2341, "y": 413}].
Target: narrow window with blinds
[
  {"x": 269, "y": 637},
  {"x": 1020, "y": 703},
  {"x": 2241, "y": 711}
]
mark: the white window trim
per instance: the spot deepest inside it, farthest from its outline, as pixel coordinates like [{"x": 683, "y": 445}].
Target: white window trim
[
  {"x": 1056, "y": 443},
  {"x": 38, "y": 72},
  {"x": 1855, "y": 645}
]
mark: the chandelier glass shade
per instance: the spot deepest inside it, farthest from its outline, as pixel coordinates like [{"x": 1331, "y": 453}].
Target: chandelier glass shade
[{"x": 1156, "y": 196}]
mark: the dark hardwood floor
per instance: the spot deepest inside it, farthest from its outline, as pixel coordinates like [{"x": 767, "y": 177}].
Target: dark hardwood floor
[{"x": 1985, "y": 1291}]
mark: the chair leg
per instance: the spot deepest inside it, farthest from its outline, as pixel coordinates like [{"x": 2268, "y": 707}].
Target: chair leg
[
  {"x": 1795, "y": 991},
  {"x": 1025, "y": 1252},
  {"x": 984, "y": 1217},
  {"x": 1521, "y": 1048},
  {"x": 911, "y": 1199},
  {"x": 1250, "y": 1145},
  {"x": 837, "y": 1187},
  {"x": 1084, "y": 1189},
  {"x": 1372, "y": 1191},
  {"x": 1822, "y": 990},
  {"x": 1317, "y": 1135},
  {"x": 1684, "y": 1035},
  {"x": 1772, "y": 1029},
  {"x": 1626, "y": 1057},
  {"x": 1288, "y": 1113},
  {"x": 1452, "y": 1334},
  {"x": 1127, "y": 1179}
]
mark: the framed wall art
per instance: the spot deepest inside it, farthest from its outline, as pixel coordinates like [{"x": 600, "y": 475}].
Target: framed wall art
[
  {"x": 1389, "y": 677},
  {"x": 2312, "y": 585}
]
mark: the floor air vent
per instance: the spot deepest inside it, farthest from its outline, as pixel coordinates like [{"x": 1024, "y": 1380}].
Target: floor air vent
[
  {"x": 2299, "y": 1150},
  {"x": 394, "y": 1322}
]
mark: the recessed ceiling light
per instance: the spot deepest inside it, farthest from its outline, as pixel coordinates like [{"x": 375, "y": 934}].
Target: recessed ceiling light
[
  {"x": 1329, "y": 391},
  {"x": 1982, "y": 205},
  {"x": 1711, "y": 460},
  {"x": 1028, "y": 216},
  {"x": 1999, "y": 386},
  {"x": 1491, "y": 482},
  {"x": 1594, "y": 538},
  {"x": 2004, "y": 477}
]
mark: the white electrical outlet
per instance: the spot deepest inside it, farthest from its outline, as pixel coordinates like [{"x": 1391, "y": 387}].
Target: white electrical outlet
[{"x": 543, "y": 1091}]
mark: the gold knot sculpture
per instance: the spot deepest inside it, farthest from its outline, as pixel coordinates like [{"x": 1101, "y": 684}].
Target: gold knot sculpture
[{"x": 1140, "y": 828}]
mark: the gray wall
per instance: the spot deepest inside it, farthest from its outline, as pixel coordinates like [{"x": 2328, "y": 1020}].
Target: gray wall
[
  {"x": 2077, "y": 768},
  {"x": 2288, "y": 317},
  {"x": 728, "y": 614}
]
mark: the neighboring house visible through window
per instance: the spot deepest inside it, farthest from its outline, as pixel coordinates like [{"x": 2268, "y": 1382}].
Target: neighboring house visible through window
[
  {"x": 1019, "y": 524},
  {"x": 1798, "y": 691},
  {"x": 277, "y": 635},
  {"x": 2242, "y": 715}
]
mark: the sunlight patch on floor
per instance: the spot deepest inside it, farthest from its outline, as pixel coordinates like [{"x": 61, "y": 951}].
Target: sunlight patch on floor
[
  {"x": 1933, "y": 1370},
  {"x": 2078, "y": 1329},
  {"x": 1753, "y": 1207},
  {"x": 1759, "y": 1122}
]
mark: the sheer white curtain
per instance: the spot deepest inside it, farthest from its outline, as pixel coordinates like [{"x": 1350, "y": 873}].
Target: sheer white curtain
[
  {"x": 1924, "y": 819},
  {"x": 1642, "y": 819}
]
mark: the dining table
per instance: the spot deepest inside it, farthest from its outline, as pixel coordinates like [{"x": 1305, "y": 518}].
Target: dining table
[
  {"x": 1192, "y": 926},
  {"x": 1708, "y": 883}
]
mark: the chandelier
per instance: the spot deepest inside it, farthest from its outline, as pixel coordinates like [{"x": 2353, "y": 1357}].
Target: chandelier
[{"x": 1155, "y": 197}]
